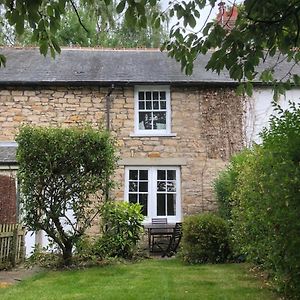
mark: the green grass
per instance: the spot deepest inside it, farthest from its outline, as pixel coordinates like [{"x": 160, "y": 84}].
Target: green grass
[{"x": 149, "y": 279}]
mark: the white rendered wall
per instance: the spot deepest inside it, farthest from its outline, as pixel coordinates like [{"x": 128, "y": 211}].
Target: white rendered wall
[{"x": 259, "y": 109}]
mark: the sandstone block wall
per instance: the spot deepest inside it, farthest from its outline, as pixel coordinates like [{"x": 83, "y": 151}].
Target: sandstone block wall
[{"x": 207, "y": 123}]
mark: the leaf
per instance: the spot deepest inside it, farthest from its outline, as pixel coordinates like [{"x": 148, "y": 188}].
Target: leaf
[
  {"x": 249, "y": 89},
  {"x": 120, "y": 7},
  {"x": 207, "y": 28},
  {"x": 20, "y": 25},
  {"x": 55, "y": 45},
  {"x": 296, "y": 79},
  {"x": 240, "y": 89},
  {"x": 192, "y": 21},
  {"x": 2, "y": 60},
  {"x": 44, "y": 47}
]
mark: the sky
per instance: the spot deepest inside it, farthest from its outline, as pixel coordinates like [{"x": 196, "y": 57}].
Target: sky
[{"x": 204, "y": 14}]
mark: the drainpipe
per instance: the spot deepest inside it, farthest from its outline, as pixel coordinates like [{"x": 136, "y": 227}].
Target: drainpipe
[{"x": 108, "y": 106}]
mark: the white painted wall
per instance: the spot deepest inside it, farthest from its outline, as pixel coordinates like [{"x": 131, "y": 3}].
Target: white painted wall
[{"x": 259, "y": 109}]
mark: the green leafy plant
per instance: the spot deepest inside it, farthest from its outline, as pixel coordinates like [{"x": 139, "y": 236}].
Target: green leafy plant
[
  {"x": 205, "y": 239},
  {"x": 122, "y": 226},
  {"x": 265, "y": 203},
  {"x": 60, "y": 169}
]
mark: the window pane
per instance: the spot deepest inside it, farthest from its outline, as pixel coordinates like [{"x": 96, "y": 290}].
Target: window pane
[
  {"x": 159, "y": 120},
  {"x": 148, "y": 95},
  {"x": 132, "y": 186},
  {"x": 171, "y": 204},
  {"x": 145, "y": 120},
  {"x": 161, "y": 205},
  {"x": 155, "y": 105},
  {"x": 133, "y": 174},
  {"x": 133, "y": 198},
  {"x": 143, "y": 187},
  {"x": 143, "y": 200},
  {"x": 141, "y": 105},
  {"x": 161, "y": 174},
  {"x": 141, "y": 96},
  {"x": 161, "y": 186},
  {"x": 162, "y": 95},
  {"x": 143, "y": 175},
  {"x": 163, "y": 105},
  {"x": 171, "y": 186},
  {"x": 148, "y": 105},
  {"x": 171, "y": 175},
  {"x": 155, "y": 95}
]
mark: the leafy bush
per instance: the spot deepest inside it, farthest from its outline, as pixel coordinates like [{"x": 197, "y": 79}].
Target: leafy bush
[
  {"x": 265, "y": 202},
  {"x": 59, "y": 170},
  {"x": 122, "y": 225},
  {"x": 225, "y": 184},
  {"x": 205, "y": 239}
]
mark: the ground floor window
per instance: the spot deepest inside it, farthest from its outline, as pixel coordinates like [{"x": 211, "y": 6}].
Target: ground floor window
[{"x": 157, "y": 189}]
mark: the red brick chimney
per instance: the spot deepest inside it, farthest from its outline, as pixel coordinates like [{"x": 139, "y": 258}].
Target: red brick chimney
[{"x": 227, "y": 17}]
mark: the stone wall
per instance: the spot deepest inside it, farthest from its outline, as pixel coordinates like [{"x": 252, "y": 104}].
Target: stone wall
[{"x": 207, "y": 123}]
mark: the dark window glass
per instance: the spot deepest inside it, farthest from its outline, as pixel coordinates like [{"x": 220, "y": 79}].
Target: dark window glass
[
  {"x": 143, "y": 200},
  {"x": 133, "y": 174},
  {"x": 171, "y": 204},
  {"x": 163, "y": 105},
  {"x": 148, "y": 95},
  {"x": 171, "y": 186},
  {"x": 141, "y": 96},
  {"x": 161, "y": 174},
  {"x": 145, "y": 120},
  {"x": 171, "y": 175},
  {"x": 132, "y": 186},
  {"x": 161, "y": 205},
  {"x": 143, "y": 187},
  {"x": 162, "y": 95},
  {"x": 133, "y": 198},
  {"x": 159, "y": 120},
  {"x": 161, "y": 186},
  {"x": 143, "y": 175},
  {"x": 155, "y": 105},
  {"x": 141, "y": 105},
  {"x": 155, "y": 95},
  {"x": 148, "y": 105}
]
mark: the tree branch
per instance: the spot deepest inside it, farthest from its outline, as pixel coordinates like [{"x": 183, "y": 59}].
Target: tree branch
[{"x": 78, "y": 16}]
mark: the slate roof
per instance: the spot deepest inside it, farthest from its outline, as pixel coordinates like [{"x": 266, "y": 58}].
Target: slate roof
[
  {"x": 88, "y": 66},
  {"x": 8, "y": 153},
  {"x": 77, "y": 66}
]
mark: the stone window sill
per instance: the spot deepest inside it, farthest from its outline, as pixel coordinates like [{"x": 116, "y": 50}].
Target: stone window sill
[{"x": 153, "y": 135}]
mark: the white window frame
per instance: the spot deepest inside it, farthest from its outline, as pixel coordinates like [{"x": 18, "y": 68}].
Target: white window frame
[
  {"x": 152, "y": 191},
  {"x": 152, "y": 132}
]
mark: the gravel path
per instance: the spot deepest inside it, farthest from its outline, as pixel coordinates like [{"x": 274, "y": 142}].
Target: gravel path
[{"x": 16, "y": 275}]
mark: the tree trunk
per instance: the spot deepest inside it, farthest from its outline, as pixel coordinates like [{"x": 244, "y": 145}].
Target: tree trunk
[{"x": 67, "y": 254}]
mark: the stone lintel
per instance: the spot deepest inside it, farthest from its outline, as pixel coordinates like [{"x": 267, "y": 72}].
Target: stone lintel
[{"x": 157, "y": 161}]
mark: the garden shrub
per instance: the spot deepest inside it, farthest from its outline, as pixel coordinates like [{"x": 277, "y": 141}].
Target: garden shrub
[
  {"x": 225, "y": 184},
  {"x": 122, "y": 226},
  {"x": 265, "y": 215},
  {"x": 60, "y": 169},
  {"x": 205, "y": 239}
]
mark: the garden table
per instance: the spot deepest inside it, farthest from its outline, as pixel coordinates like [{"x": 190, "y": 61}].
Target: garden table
[{"x": 161, "y": 230}]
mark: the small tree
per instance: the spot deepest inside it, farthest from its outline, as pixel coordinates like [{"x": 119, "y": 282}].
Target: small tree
[{"x": 59, "y": 171}]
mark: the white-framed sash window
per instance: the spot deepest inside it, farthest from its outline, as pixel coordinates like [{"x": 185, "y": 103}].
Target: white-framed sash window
[
  {"x": 157, "y": 189},
  {"x": 152, "y": 110}
]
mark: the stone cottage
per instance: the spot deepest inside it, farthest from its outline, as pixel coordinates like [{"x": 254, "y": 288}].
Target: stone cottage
[{"x": 174, "y": 132}]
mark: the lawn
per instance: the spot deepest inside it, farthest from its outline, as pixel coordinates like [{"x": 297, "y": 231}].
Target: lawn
[{"x": 148, "y": 279}]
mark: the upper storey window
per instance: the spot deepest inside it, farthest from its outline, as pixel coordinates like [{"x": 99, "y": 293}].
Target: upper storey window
[{"x": 152, "y": 110}]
